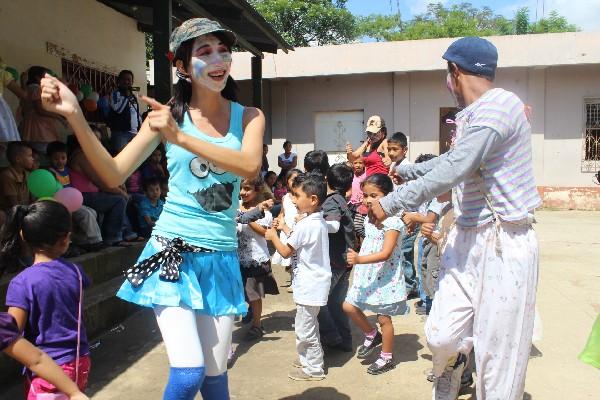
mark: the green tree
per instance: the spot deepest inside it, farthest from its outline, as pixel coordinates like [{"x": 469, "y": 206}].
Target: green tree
[
  {"x": 302, "y": 22},
  {"x": 458, "y": 20},
  {"x": 522, "y": 21},
  {"x": 554, "y": 23}
]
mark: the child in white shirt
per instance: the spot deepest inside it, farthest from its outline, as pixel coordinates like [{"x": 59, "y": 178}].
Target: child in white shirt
[{"x": 312, "y": 275}]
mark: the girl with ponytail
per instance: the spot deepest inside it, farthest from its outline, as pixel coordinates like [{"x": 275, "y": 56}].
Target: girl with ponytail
[
  {"x": 189, "y": 271},
  {"x": 44, "y": 300}
]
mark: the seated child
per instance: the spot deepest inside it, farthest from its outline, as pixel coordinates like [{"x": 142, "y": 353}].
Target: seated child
[
  {"x": 86, "y": 231},
  {"x": 13, "y": 179},
  {"x": 153, "y": 167},
  {"x": 149, "y": 207},
  {"x": 312, "y": 275}
]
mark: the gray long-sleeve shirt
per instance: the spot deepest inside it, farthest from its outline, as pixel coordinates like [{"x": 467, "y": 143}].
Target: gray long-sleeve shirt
[{"x": 437, "y": 176}]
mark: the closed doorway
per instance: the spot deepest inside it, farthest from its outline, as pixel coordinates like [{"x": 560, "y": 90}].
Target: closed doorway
[{"x": 333, "y": 129}]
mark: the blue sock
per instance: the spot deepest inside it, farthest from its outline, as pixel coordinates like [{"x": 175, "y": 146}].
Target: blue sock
[
  {"x": 183, "y": 383},
  {"x": 215, "y": 388}
]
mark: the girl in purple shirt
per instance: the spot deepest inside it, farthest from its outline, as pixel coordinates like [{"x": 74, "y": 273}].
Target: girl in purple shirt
[
  {"x": 13, "y": 345},
  {"x": 44, "y": 299}
]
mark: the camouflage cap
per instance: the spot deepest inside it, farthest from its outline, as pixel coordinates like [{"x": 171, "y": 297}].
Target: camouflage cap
[{"x": 192, "y": 28}]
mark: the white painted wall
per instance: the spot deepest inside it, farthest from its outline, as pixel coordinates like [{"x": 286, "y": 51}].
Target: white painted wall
[
  {"x": 83, "y": 27},
  {"x": 410, "y": 102}
]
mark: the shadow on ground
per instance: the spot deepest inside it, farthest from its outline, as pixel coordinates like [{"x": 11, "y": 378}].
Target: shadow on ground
[
  {"x": 319, "y": 393},
  {"x": 112, "y": 352},
  {"x": 118, "y": 349},
  {"x": 273, "y": 323}
]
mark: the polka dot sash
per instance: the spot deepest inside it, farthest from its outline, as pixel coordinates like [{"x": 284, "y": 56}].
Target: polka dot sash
[{"x": 169, "y": 260}]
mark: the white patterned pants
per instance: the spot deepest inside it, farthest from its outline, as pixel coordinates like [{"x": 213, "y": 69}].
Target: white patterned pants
[
  {"x": 308, "y": 343},
  {"x": 486, "y": 299}
]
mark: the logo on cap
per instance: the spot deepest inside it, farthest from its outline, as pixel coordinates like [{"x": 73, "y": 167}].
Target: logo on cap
[{"x": 375, "y": 123}]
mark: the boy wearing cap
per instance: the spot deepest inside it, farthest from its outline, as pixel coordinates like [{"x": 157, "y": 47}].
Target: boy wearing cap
[
  {"x": 489, "y": 267},
  {"x": 374, "y": 150}
]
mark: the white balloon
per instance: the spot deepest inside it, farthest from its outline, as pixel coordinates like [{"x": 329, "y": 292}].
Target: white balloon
[{"x": 79, "y": 95}]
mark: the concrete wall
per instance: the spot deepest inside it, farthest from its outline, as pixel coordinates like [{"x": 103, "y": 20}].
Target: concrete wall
[
  {"x": 86, "y": 28},
  {"x": 411, "y": 102}
]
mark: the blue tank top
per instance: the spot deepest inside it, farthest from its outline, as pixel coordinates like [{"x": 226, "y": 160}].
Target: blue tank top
[{"x": 203, "y": 199}]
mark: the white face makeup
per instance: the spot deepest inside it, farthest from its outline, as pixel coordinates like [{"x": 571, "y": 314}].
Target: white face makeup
[{"x": 211, "y": 63}]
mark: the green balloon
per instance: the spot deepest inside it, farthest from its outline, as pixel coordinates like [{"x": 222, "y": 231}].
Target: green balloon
[
  {"x": 86, "y": 89},
  {"x": 42, "y": 183},
  {"x": 46, "y": 198},
  {"x": 13, "y": 72}
]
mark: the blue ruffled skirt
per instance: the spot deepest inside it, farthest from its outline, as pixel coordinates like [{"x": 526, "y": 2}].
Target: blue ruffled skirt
[{"x": 209, "y": 283}]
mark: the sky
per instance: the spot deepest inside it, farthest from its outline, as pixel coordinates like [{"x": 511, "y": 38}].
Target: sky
[{"x": 583, "y": 13}]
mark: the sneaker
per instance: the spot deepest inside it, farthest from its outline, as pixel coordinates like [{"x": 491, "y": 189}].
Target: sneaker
[
  {"x": 380, "y": 366},
  {"x": 296, "y": 364},
  {"x": 447, "y": 386},
  {"x": 300, "y": 375},
  {"x": 254, "y": 333},
  {"x": 364, "y": 351}
]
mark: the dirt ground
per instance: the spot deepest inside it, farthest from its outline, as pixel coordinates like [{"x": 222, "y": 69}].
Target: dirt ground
[{"x": 130, "y": 362}]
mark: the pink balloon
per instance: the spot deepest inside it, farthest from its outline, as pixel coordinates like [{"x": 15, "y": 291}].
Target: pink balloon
[{"x": 70, "y": 198}]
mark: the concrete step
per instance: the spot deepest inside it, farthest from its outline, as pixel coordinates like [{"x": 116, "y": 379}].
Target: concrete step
[
  {"x": 102, "y": 309},
  {"x": 100, "y": 266}
]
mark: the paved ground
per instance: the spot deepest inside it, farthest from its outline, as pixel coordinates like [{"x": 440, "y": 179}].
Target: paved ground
[{"x": 132, "y": 364}]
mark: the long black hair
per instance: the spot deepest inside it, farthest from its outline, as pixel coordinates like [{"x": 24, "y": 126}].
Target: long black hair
[
  {"x": 182, "y": 92},
  {"x": 35, "y": 74},
  {"x": 40, "y": 225}
]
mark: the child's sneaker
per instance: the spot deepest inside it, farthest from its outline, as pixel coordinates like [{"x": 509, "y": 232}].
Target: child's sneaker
[
  {"x": 300, "y": 375},
  {"x": 296, "y": 363},
  {"x": 447, "y": 386},
  {"x": 380, "y": 366},
  {"x": 365, "y": 350}
]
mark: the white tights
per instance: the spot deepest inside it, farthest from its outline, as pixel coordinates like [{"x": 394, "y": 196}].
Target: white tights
[{"x": 195, "y": 340}]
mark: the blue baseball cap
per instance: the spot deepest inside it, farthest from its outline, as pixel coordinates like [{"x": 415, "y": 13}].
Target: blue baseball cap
[{"x": 475, "y": 55}]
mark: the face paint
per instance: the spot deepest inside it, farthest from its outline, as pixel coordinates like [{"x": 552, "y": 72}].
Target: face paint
[
  {"x": 210, "y": 68},
  {"x": 198, "y": 67}
]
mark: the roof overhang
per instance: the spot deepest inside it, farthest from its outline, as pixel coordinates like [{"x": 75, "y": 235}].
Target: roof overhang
[{"x": 254, "y": 33}]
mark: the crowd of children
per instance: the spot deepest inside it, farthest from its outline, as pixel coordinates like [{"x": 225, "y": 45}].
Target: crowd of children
[
  {"x": 364, "y": 219},
  {"x": 341, "y": 265}
]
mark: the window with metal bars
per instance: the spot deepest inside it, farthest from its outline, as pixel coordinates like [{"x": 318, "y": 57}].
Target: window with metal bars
[
  {"x": 591, "y": 136},
  {"x": 103, "y": 82}
]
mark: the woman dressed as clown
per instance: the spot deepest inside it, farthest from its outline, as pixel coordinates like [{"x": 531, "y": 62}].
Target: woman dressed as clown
[{"x": 189, "y": 271}]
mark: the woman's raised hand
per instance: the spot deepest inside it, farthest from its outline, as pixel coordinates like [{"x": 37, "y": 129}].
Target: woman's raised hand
[
  {"x": 161, "y": 120},
  {"x": 57, "y": 98}
]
